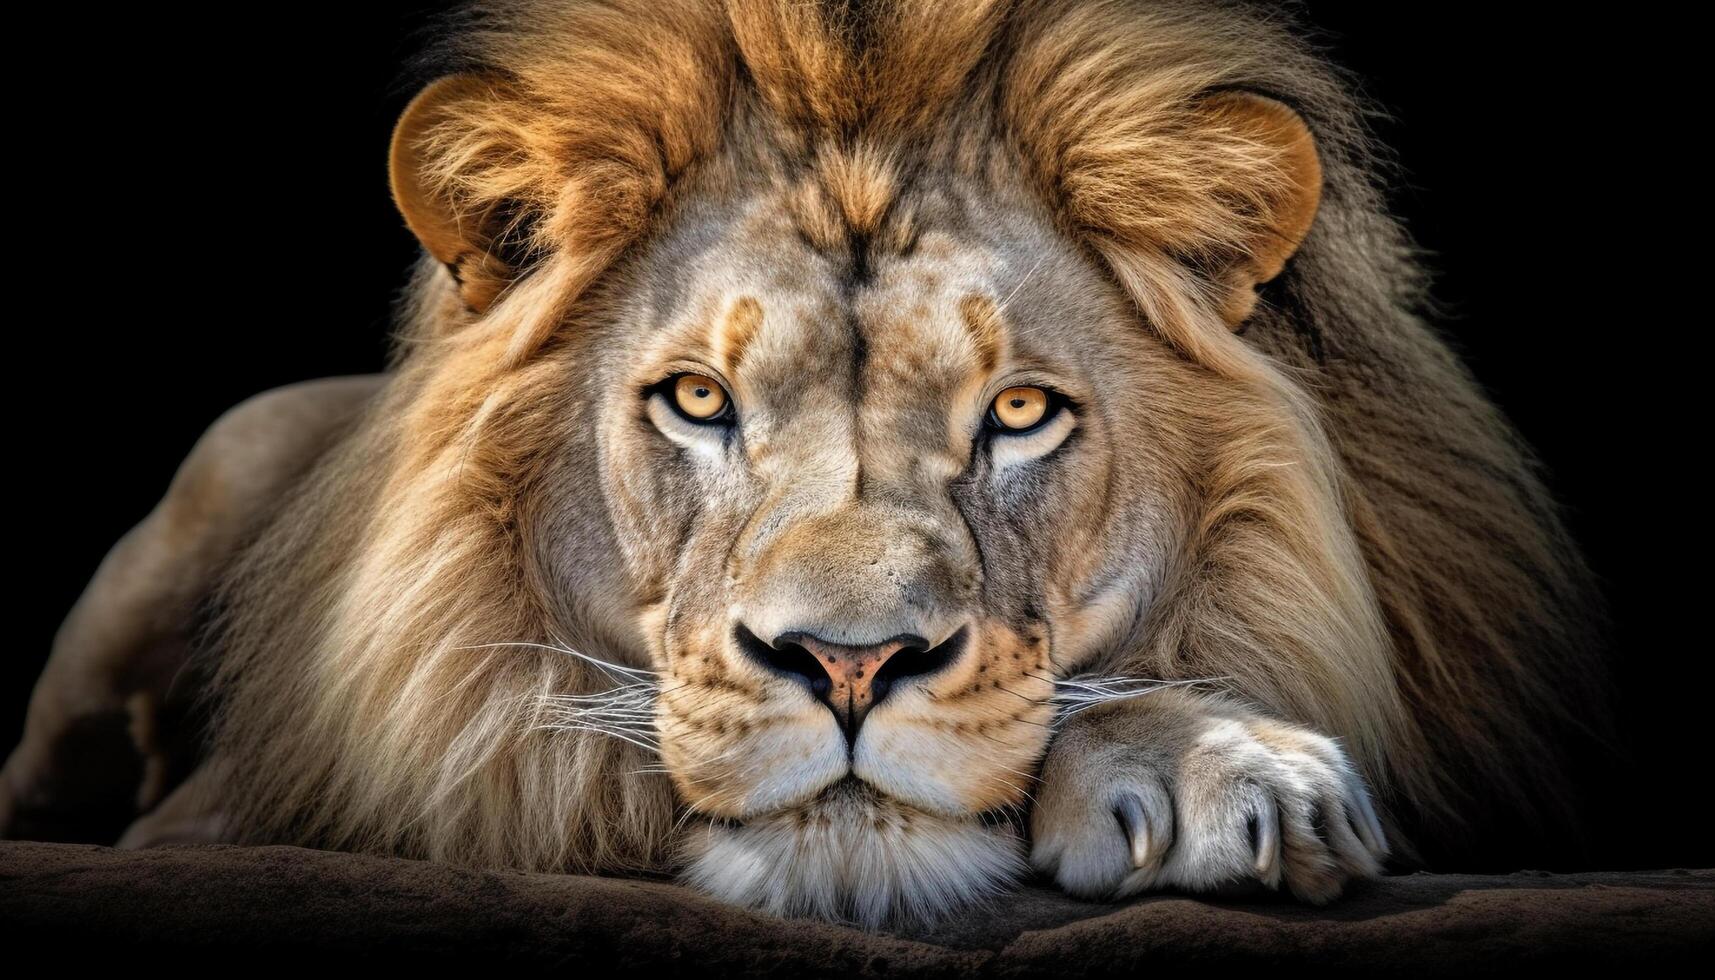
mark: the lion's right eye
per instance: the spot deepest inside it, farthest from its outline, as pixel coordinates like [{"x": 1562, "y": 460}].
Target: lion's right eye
[
  {"x": 700, "y": 398},
  {"x": 1018, "y": 409}
]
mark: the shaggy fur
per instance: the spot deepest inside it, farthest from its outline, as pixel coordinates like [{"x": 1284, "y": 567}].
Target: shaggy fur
[{"x": 1339, "y": 529}]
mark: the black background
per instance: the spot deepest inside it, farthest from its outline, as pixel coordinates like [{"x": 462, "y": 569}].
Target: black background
[{"x": 209, "y": 217}]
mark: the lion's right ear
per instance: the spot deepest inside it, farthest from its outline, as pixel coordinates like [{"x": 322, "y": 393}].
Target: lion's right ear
[{"x": 443, "y": 162}]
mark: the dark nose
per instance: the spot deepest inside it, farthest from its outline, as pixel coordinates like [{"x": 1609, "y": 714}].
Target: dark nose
[{"x": 850, "y": 680}]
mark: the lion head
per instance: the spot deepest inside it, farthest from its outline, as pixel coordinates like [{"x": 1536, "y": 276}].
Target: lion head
[{"x": 790, "y": 397}]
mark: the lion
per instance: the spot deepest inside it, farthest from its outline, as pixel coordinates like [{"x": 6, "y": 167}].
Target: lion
[{"x": 853, "y": 457}]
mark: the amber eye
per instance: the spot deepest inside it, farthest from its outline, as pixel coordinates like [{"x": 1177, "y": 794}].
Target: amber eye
[
  {"x": 699, "y": 397},
  {"x": 1017, "y": 409}
]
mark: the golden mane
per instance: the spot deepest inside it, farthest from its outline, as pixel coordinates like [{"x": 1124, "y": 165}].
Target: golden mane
[{"x": 370, "y": 668}]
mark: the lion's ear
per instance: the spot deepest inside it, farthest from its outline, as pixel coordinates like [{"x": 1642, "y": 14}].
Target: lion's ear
[
  {"x": 439, "y": 155},
  {"x": 1285, "y": 197}
]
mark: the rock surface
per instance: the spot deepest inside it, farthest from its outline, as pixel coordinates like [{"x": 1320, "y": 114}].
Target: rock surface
[{"x": 277, "y": 905}]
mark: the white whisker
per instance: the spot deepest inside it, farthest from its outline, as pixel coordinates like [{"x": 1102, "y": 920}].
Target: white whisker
[
  {"x": 625, "y": 711},
  {"x": 1074, "y": 695},
  {"x": 634, "y": 672},
  {"x": 601, "y": 731},
  {"x": 1001, "y": 307}
]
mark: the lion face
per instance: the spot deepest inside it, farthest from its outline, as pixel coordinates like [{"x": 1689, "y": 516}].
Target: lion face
[
  {"x": 869, "y": 505},
  {"x": 815, "y": 382}
]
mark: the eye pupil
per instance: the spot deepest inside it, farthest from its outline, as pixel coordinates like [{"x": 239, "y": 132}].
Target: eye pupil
[{"x": 1018, "y": 403}]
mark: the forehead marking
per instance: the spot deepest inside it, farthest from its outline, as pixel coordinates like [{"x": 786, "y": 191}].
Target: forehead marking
[
  {"x": 736, "y": 330},
  {"x": 982, "y": 322}
]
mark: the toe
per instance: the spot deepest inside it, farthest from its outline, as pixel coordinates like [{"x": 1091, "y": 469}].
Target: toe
[
  {"x": 1344, "y": 843},
  {"x": 1308, "y": 866}
]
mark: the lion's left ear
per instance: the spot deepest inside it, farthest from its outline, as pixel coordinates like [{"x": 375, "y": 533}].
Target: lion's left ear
[{"x": 1282, "y": 203}]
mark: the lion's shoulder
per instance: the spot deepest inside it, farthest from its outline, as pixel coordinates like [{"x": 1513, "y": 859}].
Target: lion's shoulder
[{"x": 254, "y": 450}]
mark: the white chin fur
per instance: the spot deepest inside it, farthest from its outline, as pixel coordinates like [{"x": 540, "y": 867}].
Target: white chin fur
[{"x": 853, "y": 856}]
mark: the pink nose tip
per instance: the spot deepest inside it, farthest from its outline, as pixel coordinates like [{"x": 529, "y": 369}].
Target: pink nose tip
[
  {"x": 855, "y": 679},
  {"x": 849, "y": 679}
]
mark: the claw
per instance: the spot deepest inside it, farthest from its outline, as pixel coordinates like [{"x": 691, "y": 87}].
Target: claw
[
  {"x": 1368, "y": 825},
  {"x": 1129, "y": 809},
  {"x": 1267, "y": 840}
]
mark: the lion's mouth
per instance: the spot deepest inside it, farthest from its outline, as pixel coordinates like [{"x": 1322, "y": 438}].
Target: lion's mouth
[
  {"x": 849, "y": 793},
  {"x": 852, "y": 787},
  {"x": 852, "y": 793}
]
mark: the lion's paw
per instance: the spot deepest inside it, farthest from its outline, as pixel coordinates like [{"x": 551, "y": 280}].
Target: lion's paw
[{"x": 1225, "y": 805}]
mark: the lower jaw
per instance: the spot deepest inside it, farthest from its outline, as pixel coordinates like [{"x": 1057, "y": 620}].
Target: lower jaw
[{"x": 853, "y": 855}]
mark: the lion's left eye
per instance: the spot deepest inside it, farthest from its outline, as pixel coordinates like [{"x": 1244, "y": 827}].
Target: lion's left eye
[{"x": 1019, "y": 409}]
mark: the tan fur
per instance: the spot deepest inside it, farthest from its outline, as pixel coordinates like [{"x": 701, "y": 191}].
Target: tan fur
[
  {"x": 1317, "y": 512},
  {"x": 107, "y": 735}
]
